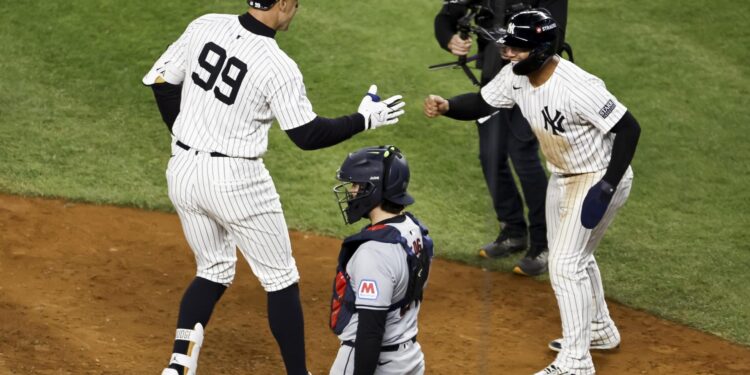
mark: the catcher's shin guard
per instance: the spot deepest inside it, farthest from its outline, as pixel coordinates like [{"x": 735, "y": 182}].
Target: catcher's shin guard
[{"x": 189, "y": 360}]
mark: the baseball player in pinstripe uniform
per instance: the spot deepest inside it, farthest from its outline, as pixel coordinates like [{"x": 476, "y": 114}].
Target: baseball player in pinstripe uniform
[
  {"x": 219, "y": 87},
  {"x": 588, "y": 138}
]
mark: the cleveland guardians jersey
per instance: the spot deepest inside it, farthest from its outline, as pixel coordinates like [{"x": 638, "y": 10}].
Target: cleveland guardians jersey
[
  {"x": 380, "y": 275},
  {"x": 235, "y": 83},
  {"x": 571, "y": 114}
]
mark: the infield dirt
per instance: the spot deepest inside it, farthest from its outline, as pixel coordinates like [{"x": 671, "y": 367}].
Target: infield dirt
[{"x": 90, "y": 289}]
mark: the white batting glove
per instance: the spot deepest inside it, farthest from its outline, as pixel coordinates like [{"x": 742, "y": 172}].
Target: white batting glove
[{"x": 379, "y": 113}]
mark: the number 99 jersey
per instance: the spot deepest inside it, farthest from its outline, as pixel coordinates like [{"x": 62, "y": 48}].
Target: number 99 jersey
[{"x": 235, "y": 81}]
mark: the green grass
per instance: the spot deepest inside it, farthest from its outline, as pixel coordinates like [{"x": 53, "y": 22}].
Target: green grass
[{"x": 75, "y": 122}]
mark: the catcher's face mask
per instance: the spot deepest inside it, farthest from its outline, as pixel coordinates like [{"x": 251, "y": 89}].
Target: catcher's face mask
[{"x": 354, "y": 199}]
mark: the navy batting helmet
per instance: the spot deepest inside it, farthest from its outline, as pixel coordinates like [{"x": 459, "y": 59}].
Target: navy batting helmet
[
  {"x": 381, "y": 174},
  {"x": 261, "y": 4},
  {"x": 536, "y": 31}
]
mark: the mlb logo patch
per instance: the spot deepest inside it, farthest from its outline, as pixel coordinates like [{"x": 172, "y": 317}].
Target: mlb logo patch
[{"x": 368, "y": 289}]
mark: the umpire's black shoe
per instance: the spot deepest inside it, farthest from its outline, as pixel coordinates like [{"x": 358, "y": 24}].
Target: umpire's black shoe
[
  {"x": 534, "y": 263},
  {"x": 504, "y": 245}
]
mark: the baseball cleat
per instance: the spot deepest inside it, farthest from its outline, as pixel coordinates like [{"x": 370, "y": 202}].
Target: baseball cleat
[
  {"x": 556, "y": 345},
  {"x": 554, "y": 370},
  {"x": 503, "y": 246},
  {"x": 534, "y": 263},
  {"x": 170, "y": 371}
]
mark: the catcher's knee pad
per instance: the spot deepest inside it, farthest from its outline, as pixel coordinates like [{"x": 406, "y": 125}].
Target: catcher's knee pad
[{"x": 190, "y": 359}]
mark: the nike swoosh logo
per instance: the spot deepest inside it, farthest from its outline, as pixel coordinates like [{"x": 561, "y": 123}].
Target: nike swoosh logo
[
  {"x": 515, "y": 88},
  {"x": 383, "y": 363}
]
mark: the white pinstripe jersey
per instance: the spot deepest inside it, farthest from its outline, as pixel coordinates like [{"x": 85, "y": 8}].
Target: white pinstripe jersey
[
  {"x": 571, "y": 114},
  {"x": 235, "y": 83}
]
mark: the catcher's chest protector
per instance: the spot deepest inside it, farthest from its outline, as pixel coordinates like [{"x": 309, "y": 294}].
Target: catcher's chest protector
[{"x": 418, "y": 258}]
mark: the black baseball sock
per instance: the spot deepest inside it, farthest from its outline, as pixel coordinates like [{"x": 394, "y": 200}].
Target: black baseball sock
[
  {"x": 196, "y": 307},
  {"x": 288, "y": 328}
]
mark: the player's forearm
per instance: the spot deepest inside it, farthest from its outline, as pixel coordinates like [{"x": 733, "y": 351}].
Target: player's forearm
[
  {"x": 323, "y": 132},
  {"x": 168, "y": 98},
  {"x": 469, "y": 106},
  {"x": 623, "y": 148},
  {"x": 445, "y": 25},
  {"x": 370, "y": 330}
]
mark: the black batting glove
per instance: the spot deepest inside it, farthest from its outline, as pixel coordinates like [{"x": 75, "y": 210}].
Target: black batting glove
[{"x": 595, "y": 204}]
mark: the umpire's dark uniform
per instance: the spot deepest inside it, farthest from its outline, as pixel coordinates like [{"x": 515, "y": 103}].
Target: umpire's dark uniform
[{"x": 506, "y": 134}]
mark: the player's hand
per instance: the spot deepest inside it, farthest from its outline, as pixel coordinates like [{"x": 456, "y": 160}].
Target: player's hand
[
  {"x": 458, "y": 46},
  {"x": 379, "y": 113},
  {"x": 595, "y": 204},
  {"x": 435, "y": 106}
]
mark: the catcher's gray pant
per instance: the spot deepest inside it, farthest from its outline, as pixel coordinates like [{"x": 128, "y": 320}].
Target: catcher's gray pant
[
  {"x": 225, "y": 203},
  {"x": 407, "y": 360},
  {"x": 573, "y": 270}
]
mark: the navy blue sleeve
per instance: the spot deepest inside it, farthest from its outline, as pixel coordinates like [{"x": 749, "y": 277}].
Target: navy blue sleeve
[
  {"x": 322, "y": 132},
  {"x": 623, "y": 148},
  {"x": 469, "y": 106},
  {"x": 168, "y": 98},
  {"x": 370, "y": 331}
]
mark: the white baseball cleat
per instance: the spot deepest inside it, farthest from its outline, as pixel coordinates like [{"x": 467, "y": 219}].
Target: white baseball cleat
[
  {"x": 554, "y": 370},
  {"x": 169, "y": 371}
]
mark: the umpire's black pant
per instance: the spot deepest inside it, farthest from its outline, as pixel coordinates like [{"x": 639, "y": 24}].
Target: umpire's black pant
[{"x": 507, "y": 134}]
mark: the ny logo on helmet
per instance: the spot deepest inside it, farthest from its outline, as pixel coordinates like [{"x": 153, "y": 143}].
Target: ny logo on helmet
[{"x": 511, "y": 28}]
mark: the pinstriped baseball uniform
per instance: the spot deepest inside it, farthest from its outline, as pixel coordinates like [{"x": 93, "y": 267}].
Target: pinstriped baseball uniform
[
  {"x": 235, "y": 83},
  {"x": 571, "y": 114}
]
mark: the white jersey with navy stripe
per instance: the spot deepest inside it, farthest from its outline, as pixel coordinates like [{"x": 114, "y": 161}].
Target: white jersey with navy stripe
[
  {"x": 571, "y": 114},
  {"x": 235, "y": 83}
]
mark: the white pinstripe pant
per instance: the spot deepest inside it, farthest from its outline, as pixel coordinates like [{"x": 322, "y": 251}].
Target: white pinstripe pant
[
  {"x": 224, "y": 203},
  {"x": 573, "y": 270}
]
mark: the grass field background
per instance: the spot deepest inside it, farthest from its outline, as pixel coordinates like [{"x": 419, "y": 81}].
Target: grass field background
[{"x": 75, "y": 122}]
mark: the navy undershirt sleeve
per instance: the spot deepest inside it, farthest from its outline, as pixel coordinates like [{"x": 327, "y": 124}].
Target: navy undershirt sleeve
[
  {"x": 623, "y": 148},
  {"x": 370, "y": 331},
  {"x": 469, "y": 106},
  {"x": 168, "y": 100},
  {"x": 322, "y": 132}
]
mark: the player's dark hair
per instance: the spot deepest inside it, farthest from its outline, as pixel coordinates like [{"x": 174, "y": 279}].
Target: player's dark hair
[{"x": 392, "y": 208}]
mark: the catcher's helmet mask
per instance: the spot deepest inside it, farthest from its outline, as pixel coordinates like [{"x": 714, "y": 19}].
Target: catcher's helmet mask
[
  {"x": 533, "y": 30},
  {"x": 382, "y": 175}
]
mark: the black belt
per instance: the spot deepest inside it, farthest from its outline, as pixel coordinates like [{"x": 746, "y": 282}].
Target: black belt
[
  {"x": 214, "y": 153},
  {"x": 387, "y": 348}
]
